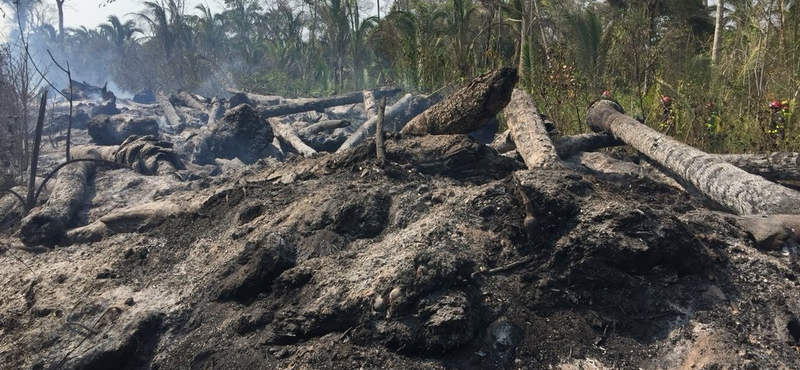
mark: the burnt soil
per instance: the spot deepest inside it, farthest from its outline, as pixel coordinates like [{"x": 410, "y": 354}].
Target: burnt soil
[{"x": 335, "y": 262}]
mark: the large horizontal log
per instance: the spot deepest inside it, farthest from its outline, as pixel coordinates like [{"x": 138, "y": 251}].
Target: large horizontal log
[
  {"x": 113, "y": 130},
  {"x": 321, "y": 126},
  {"x": 528, "y": 131},
  {"x": 188, "y": 100},
  {"x": 469, "y": 108},
  {"x": 773, "y": 166},
  {"x": 722, "y": 182},
  {"x": 253, "y": 99},
  {"x": 567, "y": 146},
  {"x": 47, "y": 224},
  {"x": 322, "y": 103}
]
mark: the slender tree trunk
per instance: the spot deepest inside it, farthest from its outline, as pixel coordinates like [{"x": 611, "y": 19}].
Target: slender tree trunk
[
  {"x": 60, "y": 6},
  {"x": 717, "y": 32},
  {"x": 722, "y": 182}
]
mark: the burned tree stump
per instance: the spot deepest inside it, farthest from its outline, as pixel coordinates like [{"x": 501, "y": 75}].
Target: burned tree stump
[
  {"x": 722, "y": 182},
  {"x": 467, "y": 109},
  {"x": 240, "y": 133}
]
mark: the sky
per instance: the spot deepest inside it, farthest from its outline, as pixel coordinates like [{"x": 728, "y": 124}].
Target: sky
[{"x": 89, "y": 13}]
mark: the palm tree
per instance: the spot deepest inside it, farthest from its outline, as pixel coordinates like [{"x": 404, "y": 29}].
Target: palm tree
[{"x": 118, "y": 33}]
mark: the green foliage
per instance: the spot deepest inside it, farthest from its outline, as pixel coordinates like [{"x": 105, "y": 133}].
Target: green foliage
[{"x": 568, "y": 53}]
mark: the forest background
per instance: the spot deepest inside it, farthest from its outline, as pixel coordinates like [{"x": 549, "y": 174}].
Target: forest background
[{"x": 721, "y": 63}]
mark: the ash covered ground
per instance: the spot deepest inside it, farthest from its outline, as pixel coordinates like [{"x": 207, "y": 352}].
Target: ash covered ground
[{"x": 334, "y": 262}]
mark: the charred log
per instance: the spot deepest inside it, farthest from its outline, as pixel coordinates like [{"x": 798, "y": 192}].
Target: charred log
[
  {"x": 113, "y": 130},
  {"x": 240, "y": 133},
  {"x": 323, "y": 126},
  {"x": 86, "y": 91},
  {"x": 47, "y": 224},
  {"x": 722, "y": 182},
  {"x": 240, "y": 97},
  {"x": 529, "y": 133},
  {"x": 322, "y": 103},
  {"x": 469, "y": 108},
  {"x": 289, "y": 135},
  {"x": 215, "y": 111},
  {"x": 773, "y": 166},
  {"x": 186, "y": 99},
  {"x": 169, "y": 111},
  {"x": 149, "y": 156}
]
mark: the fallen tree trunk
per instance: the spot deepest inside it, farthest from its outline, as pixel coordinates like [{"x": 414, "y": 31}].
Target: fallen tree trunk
[
  {"x": 169, "y": 110},
  {"x": 241, "y": 133},
  {"x": 188, "y": 100},
  {"x": 148, "y": 155},
  {"x": 288, "y": 134},
  {"x": 528, "y": 131},
  {"x": 136, "y": 219},
  {"x": 567, "y": 146},
  {"x": 254, "y": 99},
  {"x": 47, "y": 224},
  {"x": 402, "y": 111},
  {"x": 322, "y": 103},
  {"x": 322, "y": 126},
  {"x": 113, "y": 130},
  {"x": 722, "y": 182},
  {"x": 469, "y": 108},
  {"x": 773, "y": 166}
]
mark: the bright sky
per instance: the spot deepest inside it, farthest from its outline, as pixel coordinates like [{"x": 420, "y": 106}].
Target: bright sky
[{"x": 89, "y": 13}]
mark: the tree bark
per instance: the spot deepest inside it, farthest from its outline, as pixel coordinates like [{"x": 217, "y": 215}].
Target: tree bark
[
  {"x": 256, "y": 99},
  {"x": 504, "y": 142},
  {"x": 717, "y": 32},
  {"x": 322, "y": 126},
  {"x": 467, "y": 109},
  {"x": 370, "y": 105},
  {"x": 215, "y": 111},
  {"x": 379, "y": 147},
  {"x": 169, "y": 111},
  {"x": 528, "y": 131},
  {"x": 322, "y": 103},
  {"x": 773, "y": 166},
  {"x": 45, "y": 225},
  {"x": 402, "y": 111},
  {"x": 721, "y": 182},
  {"x": 190, "y": 101},
  {"x": 289, "y": 135},
  {"x": 113, "y": 130},
  {"x": 567, "y": 146}
]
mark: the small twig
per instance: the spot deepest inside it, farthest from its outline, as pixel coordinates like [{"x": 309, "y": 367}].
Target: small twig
[
  {"x": 502, "y": 268},
  {"x": 20, "y": 260}
]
